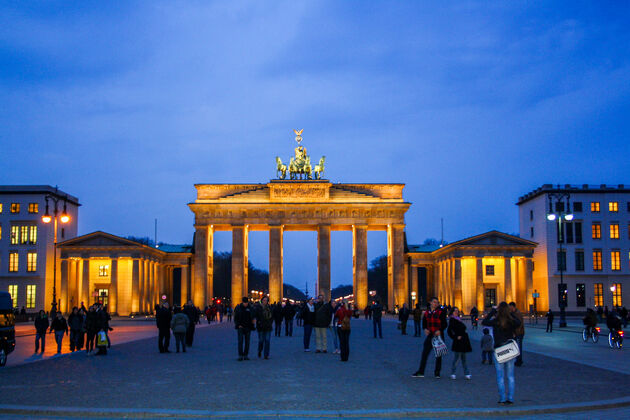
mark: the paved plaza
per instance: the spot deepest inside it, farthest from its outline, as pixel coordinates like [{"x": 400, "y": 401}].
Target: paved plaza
[{"x": 135, "y": 380}]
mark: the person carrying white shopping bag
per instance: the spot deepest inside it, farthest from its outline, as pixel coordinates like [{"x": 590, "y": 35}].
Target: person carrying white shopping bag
[{"x": 434, "y": 324}]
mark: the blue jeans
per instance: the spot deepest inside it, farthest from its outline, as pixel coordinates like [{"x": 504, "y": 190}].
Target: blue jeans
[
  {"x": 377, "y": 322},
  {"x": 417, "y": 331},
  {"x": 503, "y": 370},
  {"x": 456, "y": 356},
  {"x": 308, "y": 330},
  {"x": 40, "y": 337},
  {"x": 243, "y": 342},
  {"x": 264, "y": 342},
  {"x": 59, "y": 339},
  {"x": 335, "y": 336},
  {"x": 288, "y": 327}
]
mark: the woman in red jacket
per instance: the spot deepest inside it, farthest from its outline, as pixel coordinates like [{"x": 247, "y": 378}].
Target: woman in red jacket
[{"x": 343, "y": 316}]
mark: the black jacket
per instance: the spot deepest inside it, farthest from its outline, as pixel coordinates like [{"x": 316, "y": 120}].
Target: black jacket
[
  {"x": 91, "y": 322},
  {"x": 277, "y": 312},
  {"x": 288, "y": 312},
  {"x": 163, "y": 319},
  {"x": 264, "y": 318},
  {"x": 193, "y": 315},
  {"x": 308, "y": 316},
  {"x": 243, "y": 317},
  {"x": 377, "y": 311},
  {"x": 323, "y": 314},
  {"x": 41, "y": 324},
  {"x": 403, "y": 314},
  {"x": 59, "y": 324},
  {"x": 456, "y": 329},
  {"x": 501, "y": 336},
  {"x": 75, "y": 322}
]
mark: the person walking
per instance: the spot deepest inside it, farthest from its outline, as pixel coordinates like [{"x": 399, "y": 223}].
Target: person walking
[
  {"x": 179, "y": 324},
  {"x": 417, "y": 320},
  {"x": 343, "y": 316},
  {"x": 91, "y": 329},
  {"x": 278, "y": 315},
  {"x": 60, "y": 327},
  {"x": 403, "y": 317},
  {"x": 504, "y": 325},
  {"x": 487, "y": 346},
  {"x": 520, "y": 332},
  {"x": 377, "y": 314},
  {"x": 549, "y": 321},
  {"x": 193, "y": 317},
  {"x": 434, "y": 324},
  {"x": 264, "y": 325},
  {"x": 41, "y": 325},
  {"x": 308, "y": 320},
  {"x": 75, "y": 323},
  {"x": 461, "y": 342},
  {"x": 244, "y": 324},
  {"x": 81, "y": 332},
  {"x": 322, "y": 321},
  {"x": 289, "y": 313},
  {"x": 163, "y": 321}
]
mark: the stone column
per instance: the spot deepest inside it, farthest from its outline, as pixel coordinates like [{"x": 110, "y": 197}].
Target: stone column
[
  {"x": 457, "y": 277},
  {"x": 63, "y": 289},
  {"x": 184, "y": 285},
  {"x": 479, "y": 284},
  {"x": 200, "y": 261},
  {"x": 135, "y": 285},
  {"x": 529, "y": 280},
  {"x": 397, "y": 252},
  {"x": 275, "y": 263},
  {"x": 323, "y": 261},
  {"x": 86, "y": 293},
  {"x": 73, "y": 295},
  {"x": 238, "y": 263},
  {"x": 113, "y": 289},
  {"x": 415, "y": 287},
  {"x": 509, "y": 290},
  {"x": 141, "y": 286},
  {"x": 359, "y": 265},
  {"x": 209, "y": 264},
  {"x": 390, "y": 269}
]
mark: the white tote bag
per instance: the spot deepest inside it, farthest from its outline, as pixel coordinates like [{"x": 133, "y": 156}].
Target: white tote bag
[
  {"x": 439, "y": 347},
  {"x": 507, "y": 352}
]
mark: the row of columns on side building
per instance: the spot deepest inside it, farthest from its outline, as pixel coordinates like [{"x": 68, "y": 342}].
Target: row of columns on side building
[
  {"x": 202, "y": 283},
  {"x": 135, "y": 285}
]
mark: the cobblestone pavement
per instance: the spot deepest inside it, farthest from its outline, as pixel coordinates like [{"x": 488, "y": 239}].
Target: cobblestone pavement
[{"x": 208, "y": 377}]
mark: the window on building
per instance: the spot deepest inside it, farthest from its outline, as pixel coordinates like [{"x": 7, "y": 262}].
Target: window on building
[
  {"x": 14, "y": 261},
  {"x": 531, "y": 232},
  {"x": 13, "y": 291},
  {"x": 578, "y": 232},
  {"x": 597, "y": 260},
  {"x": 15, "y": 235},
  {"x": 579, "y": 260},
  {"x": 596, "y": 230},
  {"x": 580, "y": 294},
  {"x": 617, "y": 300},
  {"x": 615, "y": 263},
  {"x": 489, "y": 270},
  {"x": 531, "y": 215},
  {"x": 577, "y": 206},
  {"x": 563, "y": 299},
  {"x": 30, "y": 296},
  {"x": 33, "y": 207},
  {"x": 613, "y": 206},
  {"x": 614, "y": 231},
  {"x": 594, "y": 206},
  {"x": 598, "y": 294},
  {"x": 23, "y": 234},
  {"x": 103, "y": 270},
  {"x": 31, "y": 261},
  {"x": 569, "y": 232},
  {"x": 562, "y": 260},
  {"x": 15, "y": 207},
  {"x": 32, "y": 234}
]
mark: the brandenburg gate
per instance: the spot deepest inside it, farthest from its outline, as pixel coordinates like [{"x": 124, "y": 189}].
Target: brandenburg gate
[{"x": 298, "y": 204}]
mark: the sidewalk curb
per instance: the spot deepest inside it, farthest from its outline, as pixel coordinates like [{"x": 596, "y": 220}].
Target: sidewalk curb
[{"x": 386, "y": 413}]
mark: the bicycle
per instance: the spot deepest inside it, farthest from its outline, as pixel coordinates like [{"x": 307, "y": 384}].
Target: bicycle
[
  {"x": 592, "y": 333},
  {"x": 615, "y": 339}
]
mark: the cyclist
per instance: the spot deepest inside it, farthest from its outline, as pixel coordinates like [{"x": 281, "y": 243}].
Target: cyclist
[
  {"x": 590, "y": 320},
  {"x": 613, "y": 322}
]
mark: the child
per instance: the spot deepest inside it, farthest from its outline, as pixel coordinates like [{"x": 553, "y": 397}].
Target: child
[{"x": 486, "y": 347}]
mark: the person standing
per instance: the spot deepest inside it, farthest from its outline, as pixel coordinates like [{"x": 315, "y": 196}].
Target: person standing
[
  {"x": 377, "y": 314},
  {"x": 41, "y": 325},
  {"x": 179, "y": 324},
  {"x": 220, "y": 311},
  {"x": 403, "y": 317},
  {"x": 264, "y": 321},
  {"x": 308, "y": 320},
  {"x": 244, "y": 324},
  {"x": 277, "y": 312},
  {"x": 474, "y": 317},
  {"x": 75, "y": 323},
  {"x": 549, "y": 321},
  {"x": 60, "y": 327},
  {"x": 229, "y": 313},
  {"x": 91, "y": 328},
  {"x": 487, "y": 345},
  {"x": 193, "y": 317},
  {"x": 322, "y": 321},
  {"x": 343, "y": 316},
  {"x": 434, "y": 324},
  {"x": 289, "y": 313},
  {"x": 520, "y": 332},
  {"x": 333, "y": 328},
  {"x": 504, "y": 325},
  {"x": 461, "y": 342},
  {"x": 163, "y": 321},
  {"x": 417, "y": 320}
]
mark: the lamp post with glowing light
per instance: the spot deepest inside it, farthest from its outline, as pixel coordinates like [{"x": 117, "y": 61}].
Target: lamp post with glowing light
[
  {"x": 613, "y": 288},
  {"x": 560, "y": 213},
  {"x": 63, "y": 218}
]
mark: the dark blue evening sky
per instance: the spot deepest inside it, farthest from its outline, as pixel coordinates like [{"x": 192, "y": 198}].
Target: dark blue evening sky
[{"x": 128, "y": 104}]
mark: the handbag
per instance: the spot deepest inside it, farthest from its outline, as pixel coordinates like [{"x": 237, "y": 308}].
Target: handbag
[
  {"x": 507, "y": 352},
  {"x": 439, "y": 347},
  {"x": 101, "y": 339}
]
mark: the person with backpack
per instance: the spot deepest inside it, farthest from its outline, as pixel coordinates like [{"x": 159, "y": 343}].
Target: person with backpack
[
  {"x": 343, "y": 315},
  {"x": 180, "y": 325},
  {"x": 504, "y": 325},
  {"x": 264, "y": 325},
  {"x": 41, "y": 325},
  {"x": 434, "y": 324},
  {"x": 461, "y": 342}
]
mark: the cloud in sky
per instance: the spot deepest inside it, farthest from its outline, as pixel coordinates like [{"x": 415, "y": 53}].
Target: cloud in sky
[{"x": 128, "y": 104}]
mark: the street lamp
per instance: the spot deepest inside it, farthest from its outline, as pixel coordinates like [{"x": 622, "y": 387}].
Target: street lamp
[
  {"x": 560, "y": 213},
  {"x": 612, "y": 292},
  {"x": 47, "y": 218}
]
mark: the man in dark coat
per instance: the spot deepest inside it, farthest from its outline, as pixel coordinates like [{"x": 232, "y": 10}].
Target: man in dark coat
[
  {"x": 278, "y": 315},
  {"x": 377, "y": 314},
  {"x": 244, "y": 324},
  {"x": 41, "y": 325},
  {"x": 549, "y": 321},
  {"x": 289, "y": 313},
  {"x": 323, "y": 317},
  {"x": 193, "y": 317},
  {"x": 403, "y": 317},
  {"x": 163, "y": 321}
]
